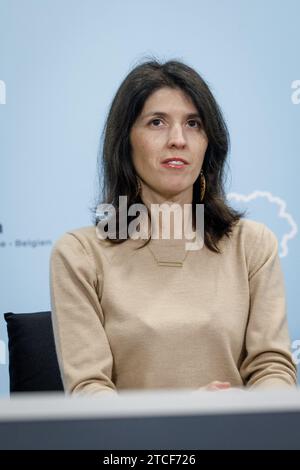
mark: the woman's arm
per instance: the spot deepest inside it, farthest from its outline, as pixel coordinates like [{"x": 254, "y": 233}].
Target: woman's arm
[
  {"x": 268, "y": 361},
  {"x": 83, "y": 350}
]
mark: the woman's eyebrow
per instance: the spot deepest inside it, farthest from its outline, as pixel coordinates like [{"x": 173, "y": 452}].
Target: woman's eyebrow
[{"x": 161, "y": 113}]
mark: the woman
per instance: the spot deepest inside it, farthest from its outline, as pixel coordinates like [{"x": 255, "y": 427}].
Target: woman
[{"x": 130, "y": 313}]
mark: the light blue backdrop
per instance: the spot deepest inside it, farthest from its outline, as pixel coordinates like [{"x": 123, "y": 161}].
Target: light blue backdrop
[{"x": 61, "y": 62}]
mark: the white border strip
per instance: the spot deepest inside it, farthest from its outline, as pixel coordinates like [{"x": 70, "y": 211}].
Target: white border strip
[{"x": 144, "y": 403}]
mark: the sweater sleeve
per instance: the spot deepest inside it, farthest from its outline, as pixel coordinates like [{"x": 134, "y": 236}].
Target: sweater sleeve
[
  {"x": 83, "y": 350},
  {"x": 268, "y": 361}
]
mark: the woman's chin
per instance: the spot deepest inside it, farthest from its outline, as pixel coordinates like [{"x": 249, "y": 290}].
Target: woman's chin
[{"x": 173, "y": 194}]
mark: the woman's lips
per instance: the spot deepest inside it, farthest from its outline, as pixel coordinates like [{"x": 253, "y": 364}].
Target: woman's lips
[{"x": 177, "y": 166}]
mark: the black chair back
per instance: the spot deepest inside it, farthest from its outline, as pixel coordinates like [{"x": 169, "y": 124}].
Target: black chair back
[{"x": 33, "y": 365}]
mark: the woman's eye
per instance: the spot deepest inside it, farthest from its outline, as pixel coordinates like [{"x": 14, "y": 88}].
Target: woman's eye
[
  {"x": 155, "y": 122},
  {"x": 194, "y": 123}
]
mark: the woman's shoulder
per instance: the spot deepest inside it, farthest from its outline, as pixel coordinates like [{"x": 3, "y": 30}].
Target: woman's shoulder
[
  {"x": 76, "y": 242},
  {"x": 252, "y": 231},
  {"x": 256, "y": 240},
  {"x": 74, "y": 253},
  {"x": 87, "y": 243},
  {"x": 83, "y": 236}
]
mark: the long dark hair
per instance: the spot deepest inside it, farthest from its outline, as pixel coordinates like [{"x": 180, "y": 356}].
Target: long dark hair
[{"x": 117, "y": 175}]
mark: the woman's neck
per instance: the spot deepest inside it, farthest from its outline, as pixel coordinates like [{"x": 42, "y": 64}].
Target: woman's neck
[{"x": 171, "y": 216}]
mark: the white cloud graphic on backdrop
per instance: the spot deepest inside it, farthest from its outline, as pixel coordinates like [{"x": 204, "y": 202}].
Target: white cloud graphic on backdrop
[{"x": 282, "y": 214}]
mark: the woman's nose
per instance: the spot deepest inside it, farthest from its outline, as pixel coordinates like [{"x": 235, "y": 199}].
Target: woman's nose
[{"x": 176, "y": 137}]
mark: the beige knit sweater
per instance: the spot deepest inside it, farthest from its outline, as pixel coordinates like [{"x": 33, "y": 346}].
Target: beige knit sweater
[{"x": 122, "y": 321}]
